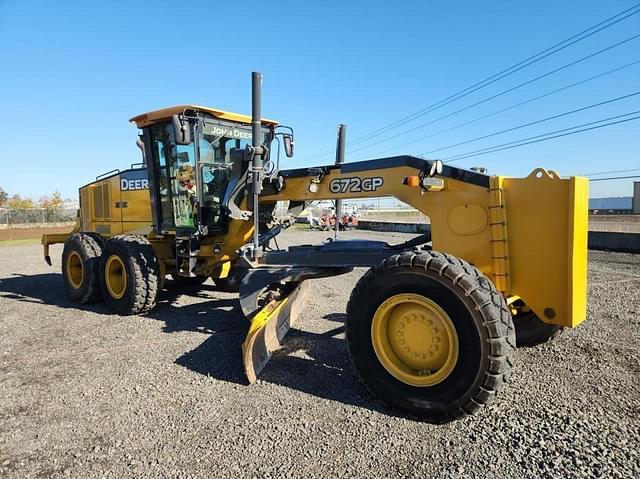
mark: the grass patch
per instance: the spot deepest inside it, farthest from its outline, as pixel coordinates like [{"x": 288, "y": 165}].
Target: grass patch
[
  {"x": 300, "y": 227},
  {"x": 19, "y": 242}
]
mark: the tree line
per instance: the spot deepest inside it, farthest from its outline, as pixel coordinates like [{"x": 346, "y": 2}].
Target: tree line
[{"x": 16, "y": 202}]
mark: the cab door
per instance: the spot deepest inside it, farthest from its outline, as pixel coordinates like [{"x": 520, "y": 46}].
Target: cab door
[
  {"x": 174, "y": 180},
  {"x": 160, "y": 179}
]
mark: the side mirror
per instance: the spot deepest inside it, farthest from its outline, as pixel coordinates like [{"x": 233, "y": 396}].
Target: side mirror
[
  {"x": 181, "y": 130},
  {"x": 288, "y": 144}
]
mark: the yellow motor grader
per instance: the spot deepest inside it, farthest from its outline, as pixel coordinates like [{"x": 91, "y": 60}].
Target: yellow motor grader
[{"x": 431, "y": 326}]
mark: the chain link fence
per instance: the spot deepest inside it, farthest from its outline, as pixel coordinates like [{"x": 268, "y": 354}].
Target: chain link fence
[{"x": 36, "y": 216}]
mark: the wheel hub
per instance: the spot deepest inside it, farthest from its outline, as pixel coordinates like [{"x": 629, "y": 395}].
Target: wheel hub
[
  {"x": 414, "y": 339},
  {"x": 115, "y": 276},
  {"x": 75, "y": 270}
]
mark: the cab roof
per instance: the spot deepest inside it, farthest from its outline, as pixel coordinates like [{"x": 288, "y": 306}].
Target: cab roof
[{"x": 146, "y": 119}]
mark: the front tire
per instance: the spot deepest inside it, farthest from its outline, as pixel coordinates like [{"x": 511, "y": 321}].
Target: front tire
[
  {"x": 188, "y": 282},
  {"x": 80, "y": 267},
  {"x": 230, "y": 284},
  {"x": 129, "y": 274},
  {"x": 430, "y": 335}
]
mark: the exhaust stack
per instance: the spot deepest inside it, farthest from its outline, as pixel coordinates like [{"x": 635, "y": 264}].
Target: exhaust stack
[{"x": 257, "y": 151}]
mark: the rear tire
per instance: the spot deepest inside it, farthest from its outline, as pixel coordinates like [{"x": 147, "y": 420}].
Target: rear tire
[
  {"x": 129, "y": 274},
  {"x": 80, "y": 267},
  {"x": 532, "y": 331},
  {"x": 480, "y": 330},
  {"x": 98, "y": 238}
]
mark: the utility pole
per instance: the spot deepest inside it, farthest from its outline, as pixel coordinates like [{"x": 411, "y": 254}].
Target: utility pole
[{"x": 342, "y": 138}]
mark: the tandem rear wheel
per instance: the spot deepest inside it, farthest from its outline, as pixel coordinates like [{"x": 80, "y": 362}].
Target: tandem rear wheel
[
  {"x": 430, "y": 335},
  {"x": 129, "y": 274},
  {"x": 123, "y": 271},
  {"x": 80, "y": 267}
]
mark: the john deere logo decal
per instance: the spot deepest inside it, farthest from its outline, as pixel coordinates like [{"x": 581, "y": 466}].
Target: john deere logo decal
[{"x": 134, "y": 180}]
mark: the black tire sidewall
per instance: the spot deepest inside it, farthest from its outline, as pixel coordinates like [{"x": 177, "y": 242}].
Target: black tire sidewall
[
  {"x": 125, "y": 304},
  {"x": 90, "y": 266},
  {"x": 445, "y": 398}
]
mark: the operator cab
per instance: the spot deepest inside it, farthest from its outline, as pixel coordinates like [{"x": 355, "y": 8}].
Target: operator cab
[{"x": 194, "y": 168}]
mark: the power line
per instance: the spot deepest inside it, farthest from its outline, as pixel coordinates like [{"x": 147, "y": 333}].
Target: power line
[
  {"x": 493, "y": 78},
  {"x": 539, "y": 138},
  {"x": 450, "y": 99},
  {"x": 500, "y": 75},
  {"x": 615, "y": 178},
  {"x": 504, "y": 92},
  {"x": 502, "y": 110},
  {"x": 611, "y": 172},
  {"x": 525, "y": 141},
  {"x": 531, "y": 123}
]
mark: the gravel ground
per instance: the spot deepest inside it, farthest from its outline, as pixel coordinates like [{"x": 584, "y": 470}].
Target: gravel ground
[{"x": 84, "y": 393}]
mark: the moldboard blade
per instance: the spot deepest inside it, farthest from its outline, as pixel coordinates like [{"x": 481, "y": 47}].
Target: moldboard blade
[{"x": 269, "y": 327}]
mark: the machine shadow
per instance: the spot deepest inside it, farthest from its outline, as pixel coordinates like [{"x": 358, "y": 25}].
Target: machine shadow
[
  {"x": 313, "y": 363},
  {"x": 46, "y": 288}
]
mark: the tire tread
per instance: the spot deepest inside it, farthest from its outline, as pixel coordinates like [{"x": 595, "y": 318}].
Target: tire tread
[
  {"x": 91, "y": 247},
  {"x": 146, "y": 270},
  {"x": 472, "y": 283}
]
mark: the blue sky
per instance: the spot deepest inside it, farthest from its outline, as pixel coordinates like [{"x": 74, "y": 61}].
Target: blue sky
[{"x": 73, "y": 73}]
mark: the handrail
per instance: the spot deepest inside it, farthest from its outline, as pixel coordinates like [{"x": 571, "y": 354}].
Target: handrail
[{"x": 107, "y": 174}]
